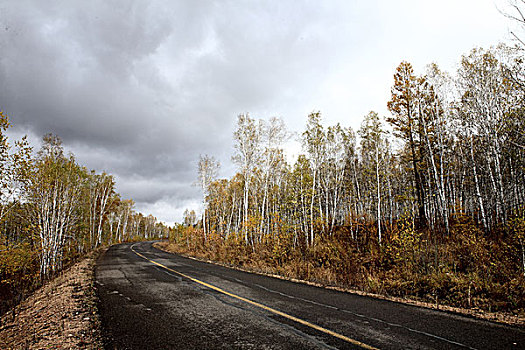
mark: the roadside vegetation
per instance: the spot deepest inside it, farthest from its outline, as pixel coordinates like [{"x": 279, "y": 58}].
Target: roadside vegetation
[
  {"x": 61, "y": 315},
  {"x": 428, "y": 203},
  {"x": 53, "y": 211}
]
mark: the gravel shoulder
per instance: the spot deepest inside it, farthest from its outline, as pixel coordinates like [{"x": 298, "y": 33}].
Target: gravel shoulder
[{"x": 60, "y": 315}]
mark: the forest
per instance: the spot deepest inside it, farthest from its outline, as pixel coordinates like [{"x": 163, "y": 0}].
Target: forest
[
  {"x": 54, "y": 211},
  {"x": 427, "y": 203}
]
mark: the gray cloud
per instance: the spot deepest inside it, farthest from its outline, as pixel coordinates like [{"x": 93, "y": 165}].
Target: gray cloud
[{"x": 140, "y": 88}]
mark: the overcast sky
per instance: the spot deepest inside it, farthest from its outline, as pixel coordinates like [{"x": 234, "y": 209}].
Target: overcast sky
[{"x": 140, "y": 88}]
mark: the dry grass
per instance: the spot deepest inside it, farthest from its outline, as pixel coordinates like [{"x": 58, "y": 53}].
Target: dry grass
[
  {"x": 60, "y": 315},
  {"x": 323, "y": 277}
]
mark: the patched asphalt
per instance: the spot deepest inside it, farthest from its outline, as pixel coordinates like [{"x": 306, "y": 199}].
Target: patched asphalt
[{"x": 145, "y": 306}]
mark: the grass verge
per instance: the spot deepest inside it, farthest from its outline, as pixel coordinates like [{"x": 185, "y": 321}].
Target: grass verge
[{"x": 317, "y": 280}]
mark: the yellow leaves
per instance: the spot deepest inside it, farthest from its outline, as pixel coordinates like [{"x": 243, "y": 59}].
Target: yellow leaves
[
  {"x": 517, "y": 224},
  {"x": 16, "y": 264},
  {"x": 4, "y": 121},
  {"x": 282, "y": 248}
]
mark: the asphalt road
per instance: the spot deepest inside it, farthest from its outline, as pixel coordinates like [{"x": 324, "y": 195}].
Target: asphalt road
[{"x": 150, "y": 299}]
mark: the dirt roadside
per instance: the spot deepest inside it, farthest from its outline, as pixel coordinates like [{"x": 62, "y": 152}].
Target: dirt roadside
[{"x": 60, "y": 315}]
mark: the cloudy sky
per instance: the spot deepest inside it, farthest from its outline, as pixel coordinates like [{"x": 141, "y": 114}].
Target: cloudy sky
[{"x": 140, "y": 88}]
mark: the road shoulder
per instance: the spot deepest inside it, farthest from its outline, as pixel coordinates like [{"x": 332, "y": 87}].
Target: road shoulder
[
  {"x": 498, "y": 317},
  {"x": 61, "y": 314}
]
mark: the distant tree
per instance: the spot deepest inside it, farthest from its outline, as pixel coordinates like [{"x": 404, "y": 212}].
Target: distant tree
[
  {"x": 437, "y": 129},
  {"x": 247, "y": 139},
  {"x": 300, "y": 186},
  {"x": 374, "y": 154},
  {"x": 207, "y": 170},
  {"x": 101, "y": 191},
  {"x": 488, "y": 100},
  {"x": 190, "y": 218},
  {"x": 124, "y": 212},
  {"x": 333, "y": 172},
  {"x": 15, "y": 165},
  {"x": 314, "y": 143},
  {"x": 273, "y": 135}
]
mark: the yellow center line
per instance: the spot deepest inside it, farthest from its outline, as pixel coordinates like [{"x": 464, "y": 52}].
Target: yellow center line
[{"x": 264, "y": 307}]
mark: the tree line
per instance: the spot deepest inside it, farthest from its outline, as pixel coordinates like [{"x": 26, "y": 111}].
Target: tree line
[
  {"x": 54, "y": 210},
  {"x": 446, "y": 167},
  {"x": 451, "y": 145}
]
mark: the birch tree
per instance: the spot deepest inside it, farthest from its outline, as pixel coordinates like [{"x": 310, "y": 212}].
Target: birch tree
[
  {"x": 332, "y": 178},
  {"x": 314, "y": 143},
  {"x": 101, "y": 195},
  {"x": 373, "y": 148},
  {"x": 124, "y": 212},
  {"x": 208, "y": 169},
  {"x": 247, "y": 139},
  {"x": 488, "y": 99},
  {"x": 15, "y": 165},
  {"x": 438, "y": 99},
  {"x": 274, "y": 134},
  {"x": 516, "y": 14},
  {"x": 54, "y": 192}
]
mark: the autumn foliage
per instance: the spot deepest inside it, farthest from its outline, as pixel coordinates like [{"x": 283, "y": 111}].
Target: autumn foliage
[
  {"x": 465, "y": 269},
  {"x": 54, "y": 211},
  {"x": 428, "y": 205}
]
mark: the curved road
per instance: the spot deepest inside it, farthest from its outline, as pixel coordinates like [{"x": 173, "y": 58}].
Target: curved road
[{"x": 150, "y": 299}]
